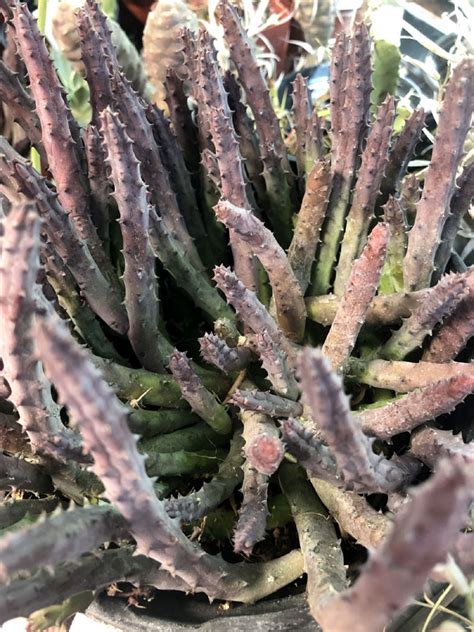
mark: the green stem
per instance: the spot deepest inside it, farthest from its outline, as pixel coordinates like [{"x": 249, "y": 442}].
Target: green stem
[
  {"x": 182, "y": 462},
  {"x": 35, "y": 159},
  {"x": 150, "y": 423},
  {"x": 194, "y": 438},
  {"x": 42, "y": 6}
]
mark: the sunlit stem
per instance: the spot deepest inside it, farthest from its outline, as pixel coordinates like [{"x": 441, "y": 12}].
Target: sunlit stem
[{"x": 42, "y": 5}]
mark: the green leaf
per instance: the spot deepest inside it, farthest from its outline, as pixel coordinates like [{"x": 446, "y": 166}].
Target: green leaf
[{"x": 386, "y": 63}]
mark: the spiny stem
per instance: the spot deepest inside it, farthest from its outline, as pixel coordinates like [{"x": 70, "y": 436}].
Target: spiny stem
[
  {"x": 324, "y": 564},
  {"x": 361, "y": 287}
]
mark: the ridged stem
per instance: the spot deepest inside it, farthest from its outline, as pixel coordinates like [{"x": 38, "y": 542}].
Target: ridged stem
[
  {"x": 212, "y": 493},
  {"x": 411, "y": 410},
  {"x": 323, "y": 560},
  {"x": 359, "y": 293},
  {"x": 401, "y": 565},
  {"x": 369, "y": 177},
  {"x": 287, "y": 296},
  {"x": 403, "y": 377}
]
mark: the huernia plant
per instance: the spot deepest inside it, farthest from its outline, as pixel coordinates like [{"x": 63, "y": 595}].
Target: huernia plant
[
  {"x": 163, "y": 274},
  {"x": 65, "y": 32},
  {"x": 161, "y": 43}
]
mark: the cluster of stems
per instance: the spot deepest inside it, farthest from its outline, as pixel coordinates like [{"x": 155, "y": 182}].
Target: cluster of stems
[{"x": 196, "y": 322}]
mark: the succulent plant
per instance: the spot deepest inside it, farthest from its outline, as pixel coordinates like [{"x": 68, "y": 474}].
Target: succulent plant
[
  {"x": 334, "y": 333},
  {"x": 65, "y": 31},
  {"x": 161, "y": 43}
]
